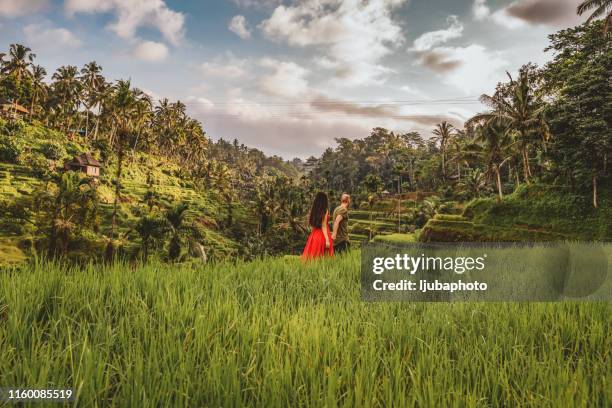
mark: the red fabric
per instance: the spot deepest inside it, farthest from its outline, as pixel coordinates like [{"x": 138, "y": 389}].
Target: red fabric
[{"x": 315, "y": 245}]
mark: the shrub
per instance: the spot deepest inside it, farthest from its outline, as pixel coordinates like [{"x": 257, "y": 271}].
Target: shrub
[
  {"x": 38, "y": 164},
  {"x": 477, "y": 206},
  {"x": 449, "y": 217},
  {"x": 449, "y": 208},
  {"x": 395, "y": 238},
  {"x": 73, "y": 149},
  {"x": 52, "y": 150},
  {"x": 10, "y": 149},
  {"x": 103, "y": 146}
]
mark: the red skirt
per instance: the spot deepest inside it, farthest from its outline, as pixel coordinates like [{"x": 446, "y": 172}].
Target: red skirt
[{"x": 315, "y": 245}]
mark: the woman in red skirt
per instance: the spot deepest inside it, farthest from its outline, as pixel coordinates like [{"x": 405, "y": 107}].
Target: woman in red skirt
[{"x": 319, "y": 241}]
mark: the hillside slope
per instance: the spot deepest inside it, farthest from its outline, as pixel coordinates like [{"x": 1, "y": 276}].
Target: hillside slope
[
  {"x": 532, "y": 213},
  {"x": 32, "y": 155}
]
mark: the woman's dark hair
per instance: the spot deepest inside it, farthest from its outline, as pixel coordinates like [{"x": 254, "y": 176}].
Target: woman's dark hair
[{"x": 320, "y": 206}]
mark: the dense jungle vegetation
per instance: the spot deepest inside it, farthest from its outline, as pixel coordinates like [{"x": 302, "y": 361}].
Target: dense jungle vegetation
[{"x": 533, "y": 165}]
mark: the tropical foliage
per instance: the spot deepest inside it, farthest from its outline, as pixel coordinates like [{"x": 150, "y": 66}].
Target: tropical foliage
[{"x": 544, "y": 125}]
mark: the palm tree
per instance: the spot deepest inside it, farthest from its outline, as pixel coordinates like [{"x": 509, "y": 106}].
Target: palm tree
[
  {"x": 151, "y": 229},
  {"x": 520, "y": 110},
  {"x": 601, "y": 8},
  {"x": 75, "y": 197},
  {"x": 473, "y": 182},
  {"x": 496, "y": 141},
  {"x": 17, "y": 66},
  {"x": 104, "y": 104},
  {"x": 93, "y": 81},
  {"x": 123, "y": 105},
  {"x": 443, "y": 132},
  {"x": 143, "y": 113},
  {"x": 457, "y": 144},
  {"x": 67, "y": 89},
  {"x": 176, "y": 216},
  {"x": 39, "y": 88},
  {"x": 20, "y": 59}
]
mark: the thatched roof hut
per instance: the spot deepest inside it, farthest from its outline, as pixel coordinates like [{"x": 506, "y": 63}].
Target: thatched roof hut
[{"x": 85, "y": 163}]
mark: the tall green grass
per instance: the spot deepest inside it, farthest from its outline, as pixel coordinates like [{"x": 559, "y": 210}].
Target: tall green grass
[{"x": 281, "y": 333}]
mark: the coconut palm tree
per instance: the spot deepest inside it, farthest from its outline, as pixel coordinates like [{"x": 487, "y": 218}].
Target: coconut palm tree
[
  {"x": 520, "y": 110},
  {"x": 39, "y": 88},
  {"x": 17, "y": 66},
  {"x": 494, "y": 152},
  {"x": 20, "y": 59},
  {"x": 93, "y": 81},
  {"x": 473, "y": 182},
  {"x": 175, "y": 217},
  {"x": 443, "y": 134},
  {"x": 601, "y": 8},
  {"x": 123, "y": 103},
  {"x": 457, "y": 150},
  {"x": 74, "y": 199},
  {"x": 151, "y": 229},
  {"x": 67, "y": 90}
]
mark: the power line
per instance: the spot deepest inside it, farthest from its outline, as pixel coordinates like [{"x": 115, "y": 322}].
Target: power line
[{"x": 339, "y": 103}]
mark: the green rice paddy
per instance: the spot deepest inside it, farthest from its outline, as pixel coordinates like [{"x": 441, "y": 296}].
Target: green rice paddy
[{"x": 282, "y": 333}]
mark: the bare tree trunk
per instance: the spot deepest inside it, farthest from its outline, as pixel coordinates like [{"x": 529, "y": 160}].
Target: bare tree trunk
[
  {"x": 595, "y": 205},
  {"x": 399, "y": 205},
  {"x": 526, "y": 171},
  {"x": 499, "y": 184},
  {"x": 86, "y": 122},
  {"x": 517, "y": 180},
  {"x": 443, "y": 166},
  {"x": 96, "y": 129},
  {"x": 32, "y": 108},
  {"x": 110, "y": 250}
]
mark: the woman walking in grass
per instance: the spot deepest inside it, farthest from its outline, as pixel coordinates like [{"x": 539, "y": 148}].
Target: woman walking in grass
[{"x": 319, "y": 241}]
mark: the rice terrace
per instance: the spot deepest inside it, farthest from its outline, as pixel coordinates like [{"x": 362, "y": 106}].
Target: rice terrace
[{"x": 190, "y": 191}]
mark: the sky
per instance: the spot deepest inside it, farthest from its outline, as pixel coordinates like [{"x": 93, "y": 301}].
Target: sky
[{"x": 290, "y": 76}]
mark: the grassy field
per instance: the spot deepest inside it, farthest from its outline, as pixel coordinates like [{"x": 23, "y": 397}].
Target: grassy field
[{"x": 280, "y": 333}]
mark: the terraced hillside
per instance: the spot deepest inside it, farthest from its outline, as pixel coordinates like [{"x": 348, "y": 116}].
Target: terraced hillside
[
  {"x": 43, "y": 151},
  {"x": 15, "y": 183},
  {"x": 534, "y": 213},
  {"x": 383, "y": 218}
]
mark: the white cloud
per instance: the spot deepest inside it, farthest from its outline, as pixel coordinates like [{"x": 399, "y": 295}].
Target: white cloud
[
  {"x": 199, "y": 103},
  {"x": 433, "y": 38},
  {"x": 15, "y": 8},
  {"x": 472, "y": 68},
  {"x": 272, "y": 128},
  {"x": 46, "y": 35},
  {"x": 150, "y": 51},
  {"x": 287, "y": 80},
  {"x": 225, "y": 66},
  {"x": 239, "y": 26},
  {"x": 502, "y": 18},
  {"x": 413, "y": 91},
  {"x": 133, "y": 14},
  {"x": 354, "y": 34},
  {"x": 477, "y": 70},
  {"x": 480, "y": 10}
]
